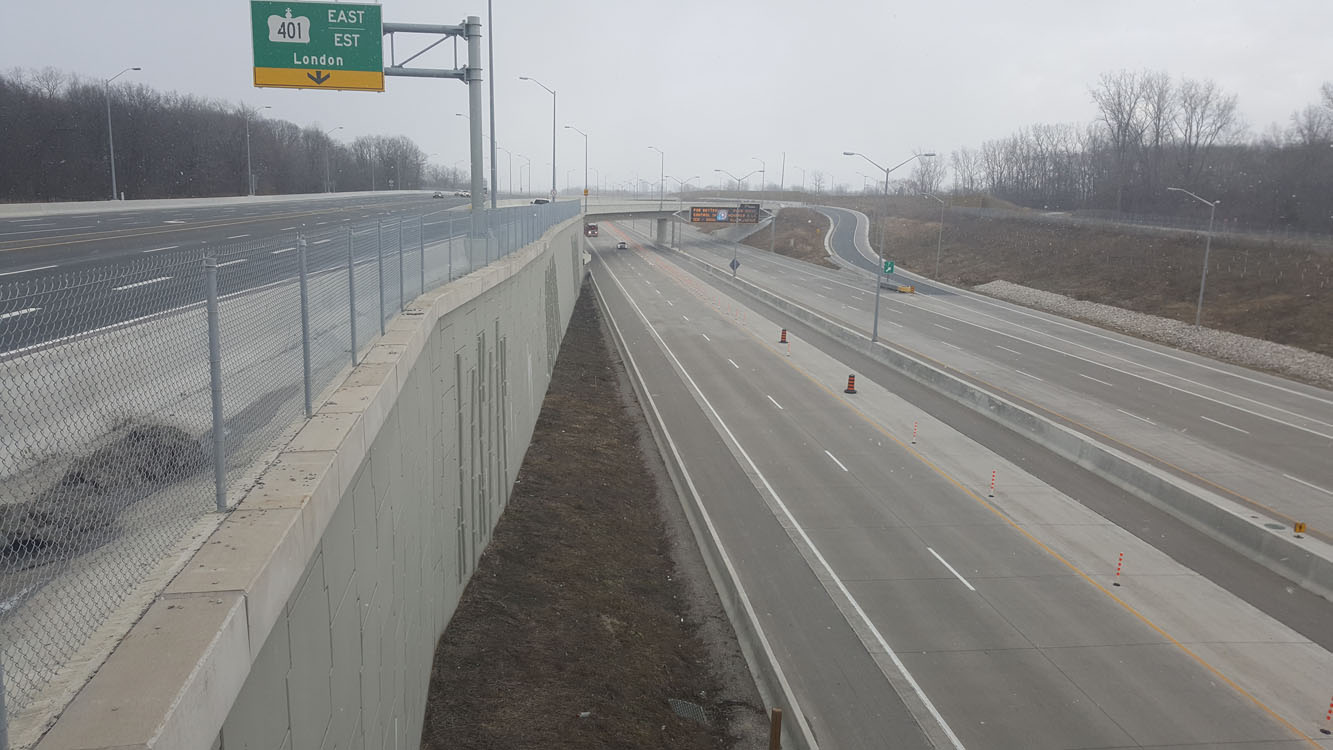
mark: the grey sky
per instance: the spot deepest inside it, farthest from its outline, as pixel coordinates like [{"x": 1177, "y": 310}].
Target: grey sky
[{"x": 716, "y": 84}]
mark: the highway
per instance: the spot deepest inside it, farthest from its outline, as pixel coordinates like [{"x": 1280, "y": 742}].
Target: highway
[
  {"x": 69, "y": 241},
  {"x": 1259, "y": 440},
  {"x": 906, "y": 606}
]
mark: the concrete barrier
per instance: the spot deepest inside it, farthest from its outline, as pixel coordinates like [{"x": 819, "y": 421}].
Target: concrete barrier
[
  {"x": 309, "y": 618},
  {"x": 1306, "y": 562}
]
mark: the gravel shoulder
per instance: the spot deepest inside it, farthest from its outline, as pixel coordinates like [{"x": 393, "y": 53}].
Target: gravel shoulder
[{"x": 591, "y": 608}]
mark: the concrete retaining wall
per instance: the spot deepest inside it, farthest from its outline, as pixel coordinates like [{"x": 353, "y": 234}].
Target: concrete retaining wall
[
  {"x": 1305, "y": 561},
  {"x": 309, "y": 619}
]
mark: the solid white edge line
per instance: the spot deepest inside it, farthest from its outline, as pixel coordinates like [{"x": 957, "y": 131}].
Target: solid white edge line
[
  {"x": 157, "y": 249},
  {"x": 708, "y": 524},
  {"x": 26, "y": 311},
  {"x": 1007, "y": 349},
  {"x": 775, "y": 403},
  {"x": 805, "y": 537},
  {"x": 835, "y": 460},
  {"x": 1224, "y": 424},
  {"x": 1307, "y": 484},
  {"x": 26, "y": 270},
  {"x": 946, "y": 564}
]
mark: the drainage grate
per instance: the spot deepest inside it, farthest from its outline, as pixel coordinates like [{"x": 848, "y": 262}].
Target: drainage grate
[{"x": 688, "y": 710}]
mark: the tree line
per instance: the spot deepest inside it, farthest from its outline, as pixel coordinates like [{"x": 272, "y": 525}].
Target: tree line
[
  {"x": 172, "y": 145},
  {"x": 1152, "y": 133}
]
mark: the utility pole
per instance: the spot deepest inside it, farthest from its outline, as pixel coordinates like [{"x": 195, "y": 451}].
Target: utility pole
[
  {"x": 490, "y": 62},
  {"x": 110, "y": 140}
]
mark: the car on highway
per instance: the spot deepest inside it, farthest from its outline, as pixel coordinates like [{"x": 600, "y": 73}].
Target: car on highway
[
  {"x": 437, "y": 194},
  {"x": 462, "y": 194},
  {"x": 590, "y": 230},
  {"x": 621, "y": 245},
  {"x": 539, "y": 201}
]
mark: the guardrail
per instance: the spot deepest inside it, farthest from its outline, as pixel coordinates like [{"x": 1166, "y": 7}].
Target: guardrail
[{"x": 136, "y": 398}]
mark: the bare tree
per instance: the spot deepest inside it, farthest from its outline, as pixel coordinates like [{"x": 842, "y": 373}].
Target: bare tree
[
  {"x": 1119, "y": 98},
  {"x": 966, "y": 171},
  {"x": 1206, "y": 115},
  {"x": 817, "y": 181},
  {"x": 928, "y": 174},
  {"x": 1312, "y": 126}
]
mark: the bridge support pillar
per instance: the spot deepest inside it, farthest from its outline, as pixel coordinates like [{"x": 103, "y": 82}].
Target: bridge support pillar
[{"x": 662, "y": 231}]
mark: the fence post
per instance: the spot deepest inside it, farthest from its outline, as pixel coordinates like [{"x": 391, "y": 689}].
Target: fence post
[
  {"x": 215, "y": 385},
  {"x": 402, "y": 293},
  {"x": 4, "y": 714},
  {"x": 379, "y": 262},
  {"x": 351, "y": 287},
  {"x": 421, "y": 244},
  {"x": 305, "y": 322}
]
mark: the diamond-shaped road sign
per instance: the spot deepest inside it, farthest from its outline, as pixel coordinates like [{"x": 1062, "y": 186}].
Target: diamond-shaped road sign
[{"x": 303, "y": 45}]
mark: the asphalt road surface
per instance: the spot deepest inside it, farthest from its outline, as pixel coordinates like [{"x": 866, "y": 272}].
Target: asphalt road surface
[{"x": 907, "y": 607}]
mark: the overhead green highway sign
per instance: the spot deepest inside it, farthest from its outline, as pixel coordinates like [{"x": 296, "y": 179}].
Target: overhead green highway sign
[{"x": 317, "y": 45}]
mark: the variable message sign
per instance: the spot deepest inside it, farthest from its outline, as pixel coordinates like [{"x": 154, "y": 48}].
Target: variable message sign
[
  {"x": 304, "y": 45},
  {"x": 743, "y": 214}
]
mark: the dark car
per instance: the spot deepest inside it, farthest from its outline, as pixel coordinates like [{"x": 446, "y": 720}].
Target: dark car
[
  {"x": 438, "y": 194},
  {"x": 539, "y": 201}
]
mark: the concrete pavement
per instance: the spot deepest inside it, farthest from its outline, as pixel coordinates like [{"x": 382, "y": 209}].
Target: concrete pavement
[{"x": 880, "y": 518}]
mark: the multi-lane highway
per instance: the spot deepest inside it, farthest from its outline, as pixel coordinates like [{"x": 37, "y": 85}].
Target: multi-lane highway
[
  {"x": 1259, "y": 440},
  {"x": 69, "y": 241},
  {"x": 908, "y": 607}
]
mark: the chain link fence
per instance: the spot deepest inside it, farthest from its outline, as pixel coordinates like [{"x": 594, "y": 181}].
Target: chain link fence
[{"x": 134, "y": 394}]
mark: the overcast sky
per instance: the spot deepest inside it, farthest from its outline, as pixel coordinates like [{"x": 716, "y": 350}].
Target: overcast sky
[{"x": 717, "y": 84}]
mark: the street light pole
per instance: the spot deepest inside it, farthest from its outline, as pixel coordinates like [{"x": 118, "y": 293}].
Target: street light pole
[
  {"x": 661, "y": 175},
  {"x": 879, "y": 272},
  {"x": 939, "y": 242},
  {"x": 110, "y": 140},
  {"x": 763, "y": 174},
  {"x": 490, "y": 62},
  {"x": 680, "y": 203},
  {"x": 249, "y": 172},
  {"x": 585, "y": 165},
  {"x": 551, "y": 91},
  {"x": 509, "y": 161},
  {"x": 739, "y": 180},
  {"x": 528, "y": 165},
  {"x": 1207, "y": 249},
  {"x": 328, "y": 185}
]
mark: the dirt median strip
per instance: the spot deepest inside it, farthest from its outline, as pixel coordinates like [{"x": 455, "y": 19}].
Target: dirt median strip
[{"x": 589, "y": 611}]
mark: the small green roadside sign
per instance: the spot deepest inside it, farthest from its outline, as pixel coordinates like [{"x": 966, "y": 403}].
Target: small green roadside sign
[
  {"x": 888, "y": 266},
  {"x": 317, "y": 45}
]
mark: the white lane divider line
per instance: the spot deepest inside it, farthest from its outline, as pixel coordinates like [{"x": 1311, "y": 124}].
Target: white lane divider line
[
  {"x": 890, "y": 322},
  {"x": 16, "y": 313},
  {"x": 1095, "y": 380},
  {"x": 1307, "y": 484},
  {"x": 237, "y": 236},
  {"x": 733, "y": 363},
  {"x": 937, "y": 325},
  {"x": 141, "y": 283},
  {"x": 1224, "y": 424},
  {"x": 775, "y": 403},
  {"x": 321, "y": 242},
  {"x": 686, "y": 317},
  {"x": 1007, "y": 349},
  {"x": 1030, "y": 375},
  {"x": 1142, "y": 419},
  {"x": 835, "y": 460},
  {"x": 284, "y": 250},
  {"x": 672, "y": 304},
  {"x": 946, "y": 564},
  {"x": 158, "y": 249},
  {"x": 705, "y": 337},
  {"x": 27, "y": 270},
  {"x": 231, "y": 262},
  {"x": 286, "y": 229},
  {"x": 946, "y": 343}
]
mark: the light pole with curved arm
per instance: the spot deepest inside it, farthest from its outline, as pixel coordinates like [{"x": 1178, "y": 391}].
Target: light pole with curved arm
[
  {"x": 509, "y": 161},
  {"x": 680, "y": 202},
  {"x": 249, "y": 172},
  {"x": 661, "y": 175},
  {"x": 763, "y": 172},
  {"x": 739, "y": 180},
  {"x": 585, "y": 165},
  {"x": 1207, "y": 248},
  {"x": 527, "y": 166},
  {"x": 110, "y": 140},
  {"x": 328, "y": 185},
  {"x": 939, "y": 242},
  {"x": 879, "y": 272},
  {"x": 550, "y": 91}
]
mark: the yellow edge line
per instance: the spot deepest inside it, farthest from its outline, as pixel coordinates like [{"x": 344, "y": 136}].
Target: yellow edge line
[{"x": 1042, "y": 545}]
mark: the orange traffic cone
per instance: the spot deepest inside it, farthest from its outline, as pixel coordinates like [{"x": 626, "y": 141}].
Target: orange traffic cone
[
  {"x": 851, "y": 384},
  {"x": 783, "y": 340}
]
